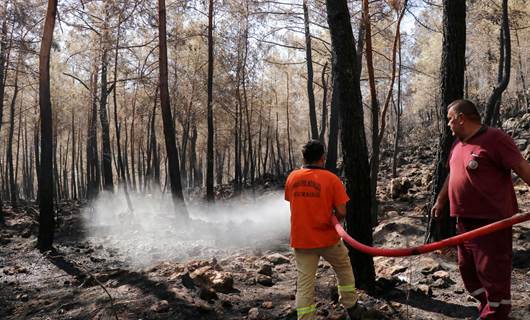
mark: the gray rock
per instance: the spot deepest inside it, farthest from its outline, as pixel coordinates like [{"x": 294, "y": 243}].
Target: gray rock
[
  {"x": 226, "y": 304},
  {"x": 440, "y": 283},
  {"x": 201, "y": 276},
  {"x": 440, "y": 274},
  {"x": 424, "y": 289},
  {"x": 264, "y": 280},
  {"x": 206, "y": 277},
  {"x": 223, "y": 282},
  {"x": 399, "y": 186},
  {"x": 23, "y": 297},
  {"x": 160, "y": 306},
  {"x": 277, "y": 258},
  {"x": 397, "y": 269},
  {"x": 208, "y": 294},
  {"x": 265, "y": 269},
  {"x": 428, "y": 266},
  {"x": 253, "y": 314},
  {"x": 187, "y": 281}
]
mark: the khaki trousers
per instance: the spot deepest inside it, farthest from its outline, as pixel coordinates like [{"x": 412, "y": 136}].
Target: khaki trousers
[{"x": 307, "y": 264}]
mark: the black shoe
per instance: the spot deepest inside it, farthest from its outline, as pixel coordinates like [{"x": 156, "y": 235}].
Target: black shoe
[{"x": 355, "y": 312}]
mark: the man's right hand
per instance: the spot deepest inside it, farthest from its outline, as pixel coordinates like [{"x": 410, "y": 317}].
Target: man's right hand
[
  {"x": 441, "y": 200},
  {"x": 437, "y": 211}
]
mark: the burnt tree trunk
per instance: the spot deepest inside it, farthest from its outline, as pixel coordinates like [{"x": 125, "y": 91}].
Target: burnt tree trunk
[
  {"x": 93, "y": 172},
  {"x": 354, "y": 150},
  {"x": 238, "y": 179},
  {"x": 505, "y": 60},
  {"x": 184, "y": 144},
  {"x": 3, "y": 52},
  {"x": 309, "y": 63},
  {"x": 108, "y": 183},
  {"x": 524, "y": 93},
  {"x": 260, "y": 134},
  {"x": 153, "y": 163},
  {"x": 267, "y": 143},
  {"x": 73, "y": 168},
  {"x": 451, "y": 88},
  {"x": 133, "y": 142},
  {"x": 46, "y": 219},
  {"x": 193, "y": 171},
  {"x": 10, "y": 165},
  {"x": 167, "y": 119},
  {"x": 210, "y": 196},
  {"x": 324, "y": 120},
  {"x": 121, "y": 167},
  {"x": 249, "y": 161},
  {"x": 374, "y": 106},
  {"x": 289, "y": 149},
  {"x": 57, "y": 181},
  {"x": 378, "y": 131},
  {"x": 333, "y": 138},
  {"x": 398, "y": 111},
  {"x": 279, "y": 150},
  {"x": 36, "y": 142},
  {"x": 150, "y": 147}
]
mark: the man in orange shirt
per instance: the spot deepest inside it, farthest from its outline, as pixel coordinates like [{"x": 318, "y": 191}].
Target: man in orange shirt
[{"x": 314, "y": 193}]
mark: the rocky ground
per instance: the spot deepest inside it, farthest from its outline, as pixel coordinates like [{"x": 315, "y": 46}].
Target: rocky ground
[{"x": 86, "y": 278}]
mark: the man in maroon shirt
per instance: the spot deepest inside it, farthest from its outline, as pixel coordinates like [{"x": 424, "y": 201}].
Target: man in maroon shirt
[{"x": 480, "y": 191}]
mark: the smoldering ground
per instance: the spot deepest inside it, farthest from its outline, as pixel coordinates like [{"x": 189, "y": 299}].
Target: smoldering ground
[{"x": 156, "y": 231}]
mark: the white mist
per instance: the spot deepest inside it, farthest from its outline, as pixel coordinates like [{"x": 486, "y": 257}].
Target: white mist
[{"x": 154, "y": 232}]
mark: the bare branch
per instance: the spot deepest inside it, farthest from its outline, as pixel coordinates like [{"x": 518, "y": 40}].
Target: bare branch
[
  {"x": 76, "y": 78},
  {"x": 421, "y": 23}
]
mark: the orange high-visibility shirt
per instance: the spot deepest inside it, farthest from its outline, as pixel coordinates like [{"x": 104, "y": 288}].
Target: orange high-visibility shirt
[{"x": 312, "y": 194}]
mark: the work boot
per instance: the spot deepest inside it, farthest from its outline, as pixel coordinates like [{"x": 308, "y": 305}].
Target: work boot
[{"x": 355, "y": 312}]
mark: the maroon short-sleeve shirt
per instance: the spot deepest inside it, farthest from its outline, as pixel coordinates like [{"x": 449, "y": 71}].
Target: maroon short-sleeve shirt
[{"x": 480, "y": 184}]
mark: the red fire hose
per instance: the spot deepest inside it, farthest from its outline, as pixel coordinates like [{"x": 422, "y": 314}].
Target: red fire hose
[{"x": 401, "y": 252}]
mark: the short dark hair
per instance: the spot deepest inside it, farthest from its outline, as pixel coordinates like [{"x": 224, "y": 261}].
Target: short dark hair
[
  {"x": 313, "y": 151},
  {"x": 466, "y": 108}
]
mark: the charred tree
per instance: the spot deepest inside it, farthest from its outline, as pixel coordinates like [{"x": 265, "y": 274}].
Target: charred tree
[
  {"x": 238, "y": 126},
  {"x": 309, "y": 63},
  {"x": 93, "y": 171},
  {"x": 108, "y": 183},
  {"x": 333, "y": 138},
  {"x": 121, "y": 166},
  {"x": 167, "y": 119},
  {"x": 324, "y": 120},
  {"x": 73, "y": 179},
  {"x": 505, "y": 59},
  {"x": 10, "y": 166},
  {"x": 267, "y": 143},
  {"x": 289, "y": 148},
  {"x": 398, "y": 111},
  {"x": 451, "y": 88},
  {"x": 374, "y": 106},
  {"x": 378, "y": 130},
  {"x": 210, "y": 196},
  {"x": 3, "y": 54},
  {"x": 46, "y": 219},
  {"x": 194, "y": 170},
  {"x": 133, "y": 159},
  {"x": 249, "y": 161},
  {"x": 355, "y": 153},
  {"x": 525, "y": 93},
  {"x": 280, "y": 167}
]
